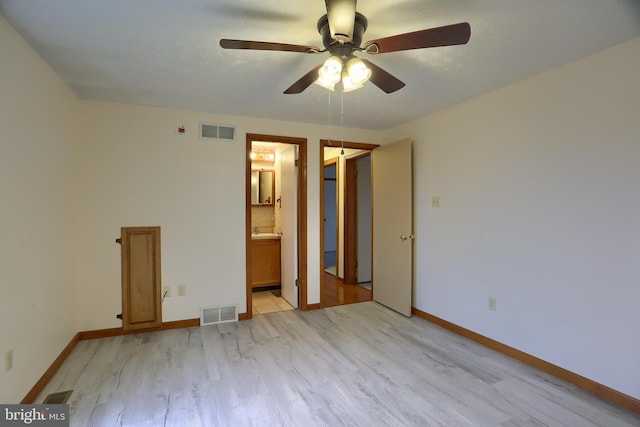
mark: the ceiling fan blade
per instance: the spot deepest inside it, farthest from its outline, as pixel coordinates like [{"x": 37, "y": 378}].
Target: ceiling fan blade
[
  {"x": 383, "y": 79},
  {"x": 441, "y": 36},
  {"x": 254, "y": 45},
  {"x": 342, "y": 17},
  {"x": 304, "y": 82}
]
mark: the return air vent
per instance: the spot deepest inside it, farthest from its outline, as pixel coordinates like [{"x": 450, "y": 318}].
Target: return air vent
[
  {"x": 217, "y": 132},
  {"x": 218, "y": 314},
  {"x": 59, "y": 398}
]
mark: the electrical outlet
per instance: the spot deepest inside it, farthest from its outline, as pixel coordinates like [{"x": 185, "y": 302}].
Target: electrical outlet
[
  {"x": 166, "y": 291},
  {"x": 435, "y": 202},
  {"x": 492, "y": 304},
  {"x": 182, "y": 290},
  {"x": 8, "y": 361}
]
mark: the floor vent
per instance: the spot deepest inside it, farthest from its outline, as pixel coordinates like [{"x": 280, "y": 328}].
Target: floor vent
[
  {"x": 59, "y": 398},
  {"x": 217, "y": 132},
  {"x": 219, "y": 314}
]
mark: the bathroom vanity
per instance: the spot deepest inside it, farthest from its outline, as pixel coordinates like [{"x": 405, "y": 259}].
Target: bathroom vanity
[{"x": 265, "y": 259}]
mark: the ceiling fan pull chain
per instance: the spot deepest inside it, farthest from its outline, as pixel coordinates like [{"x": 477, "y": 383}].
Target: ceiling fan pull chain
[
  {"x": 329, "y": 131},
  {"x": 342, "y": 121}
]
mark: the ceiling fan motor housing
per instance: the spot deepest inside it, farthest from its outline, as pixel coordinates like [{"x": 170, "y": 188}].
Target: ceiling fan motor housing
[{"x": 336, "y": 48}]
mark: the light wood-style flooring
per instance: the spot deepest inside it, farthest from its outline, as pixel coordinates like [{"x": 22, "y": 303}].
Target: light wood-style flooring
[{"x": 355, "y": 365}]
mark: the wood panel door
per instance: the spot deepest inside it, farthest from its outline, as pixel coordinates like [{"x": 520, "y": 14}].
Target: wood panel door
[
  {"x": 141, "y": 284},
  {"x": 350, "y": 221},
  {"x": 392, "y": 226},
  {"x": 357, "y": 219}
]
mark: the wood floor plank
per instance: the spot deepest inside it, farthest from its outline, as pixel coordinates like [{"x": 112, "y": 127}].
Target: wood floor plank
[{"x": 359, "y": 365}]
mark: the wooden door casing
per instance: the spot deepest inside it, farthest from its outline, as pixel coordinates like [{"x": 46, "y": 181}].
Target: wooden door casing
[{"x": 351, "y": 221}]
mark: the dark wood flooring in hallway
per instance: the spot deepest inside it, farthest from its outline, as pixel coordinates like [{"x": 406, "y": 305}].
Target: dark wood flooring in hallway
[{"x": 335, "y": 292}]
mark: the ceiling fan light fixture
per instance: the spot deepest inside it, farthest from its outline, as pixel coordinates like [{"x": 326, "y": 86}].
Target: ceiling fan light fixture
[
  {"x": 330, "y": 73},
  {"x": 358, "y": 72},
  {"x": 348, "y": 84},
  {"x": 324, "y": 84}
]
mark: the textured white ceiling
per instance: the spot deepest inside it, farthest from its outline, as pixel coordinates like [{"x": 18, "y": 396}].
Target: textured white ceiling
[{"x": 165, "y": 52}]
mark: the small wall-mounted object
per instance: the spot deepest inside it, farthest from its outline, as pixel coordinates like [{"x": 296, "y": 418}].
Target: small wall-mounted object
[{"x": 181, "y": 130}]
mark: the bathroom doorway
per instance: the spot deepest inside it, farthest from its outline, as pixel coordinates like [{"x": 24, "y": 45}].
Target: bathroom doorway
[
  {"x": 276, "y": 218},
  {"x": 348, "y": 279}
]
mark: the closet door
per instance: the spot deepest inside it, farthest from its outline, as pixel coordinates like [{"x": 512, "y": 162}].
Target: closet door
[{"x": 141, "y": 284}]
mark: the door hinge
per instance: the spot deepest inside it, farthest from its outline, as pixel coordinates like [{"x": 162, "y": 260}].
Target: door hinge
[
  {"x": 297, "y": 282},
  {"x": 119, "y": 241}
]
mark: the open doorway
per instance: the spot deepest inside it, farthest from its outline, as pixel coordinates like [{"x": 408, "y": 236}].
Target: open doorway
[
  {"x": 330, "y": 219},
  {"x": 358, "y": 219},
  {"x": 349, "y": 280},
  {"x": 276, "y": 218}
]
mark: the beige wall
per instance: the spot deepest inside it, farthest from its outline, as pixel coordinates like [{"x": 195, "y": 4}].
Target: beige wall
[
  {"x": 540, "y": 208},
  {"x": 137, "y": 171},
  {"x": 37, "y": 212}
]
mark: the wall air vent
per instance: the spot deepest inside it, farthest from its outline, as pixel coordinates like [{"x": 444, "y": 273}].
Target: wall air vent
[
  {"x": 217, "y": 132},
  {"x": 218, "y": 314}
]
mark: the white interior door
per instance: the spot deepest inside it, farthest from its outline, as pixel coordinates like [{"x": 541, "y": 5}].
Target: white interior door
[
  {"x": 392, "y": 226},
  {"x": 289, "y": 217}
]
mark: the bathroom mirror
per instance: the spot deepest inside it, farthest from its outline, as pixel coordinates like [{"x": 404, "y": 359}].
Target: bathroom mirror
[{"x": 262, "y": 187}]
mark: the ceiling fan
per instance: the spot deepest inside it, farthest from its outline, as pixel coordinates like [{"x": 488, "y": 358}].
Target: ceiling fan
[{"x": 341, "y": 30}]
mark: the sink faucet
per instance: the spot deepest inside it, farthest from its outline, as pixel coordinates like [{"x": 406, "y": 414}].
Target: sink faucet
[{"x": 256, "y": 230}]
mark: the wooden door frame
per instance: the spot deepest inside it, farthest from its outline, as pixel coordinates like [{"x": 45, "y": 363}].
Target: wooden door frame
[
  {"x": 332, "y": 161},
  {"x": 324, "y": 143},
  {"x": 350, "y": 216},
  {"x": 302, "y": 215}
]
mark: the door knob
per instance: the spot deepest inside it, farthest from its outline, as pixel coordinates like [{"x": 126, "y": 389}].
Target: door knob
[{"x": 406, "y": 236}]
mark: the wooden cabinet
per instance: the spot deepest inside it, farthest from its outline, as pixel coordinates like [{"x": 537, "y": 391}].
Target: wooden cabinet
[{"x": 265, "y": 262}]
